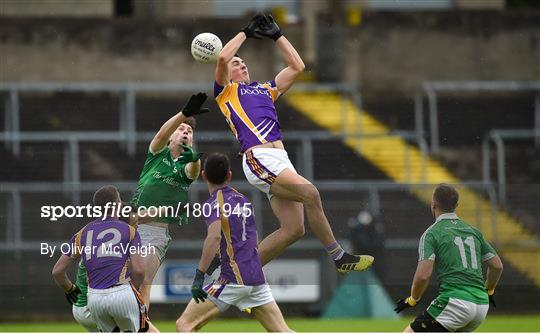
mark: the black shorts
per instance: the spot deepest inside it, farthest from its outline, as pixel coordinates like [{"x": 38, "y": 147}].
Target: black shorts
[{"x": 425, "y": 323}]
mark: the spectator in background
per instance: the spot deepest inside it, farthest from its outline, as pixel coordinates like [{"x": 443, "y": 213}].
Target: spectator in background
[{"x": 367, "y": 234}]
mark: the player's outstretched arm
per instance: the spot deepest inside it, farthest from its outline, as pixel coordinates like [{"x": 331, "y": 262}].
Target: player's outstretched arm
[
  {"x": 210, "y": 248},
  {"x": 211, "y": 245},
  {"x": 421, "y": 278},
  {"x": 225, "y": 56},
  {"x": 295, "y": 64},
  {"x": 192, "y": 108},
  {"x": 231, "y": 48},
  {"x": 419, "y": 285},
  {"x": 59, "y": 274},
  {"x": 494, "y": 272}
]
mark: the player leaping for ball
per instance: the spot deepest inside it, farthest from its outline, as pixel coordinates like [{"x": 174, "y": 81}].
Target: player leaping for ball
[
  {"x": 233, "y": 232},
  {"x": 249, "y": 110},
  {"x": 171, "y": 166}
]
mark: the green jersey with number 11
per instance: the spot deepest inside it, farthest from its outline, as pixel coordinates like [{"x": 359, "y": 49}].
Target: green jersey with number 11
[{"x": 458, "y": 250}]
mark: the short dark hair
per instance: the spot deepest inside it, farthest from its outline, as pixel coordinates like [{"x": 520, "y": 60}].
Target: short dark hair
[
  {"x": 191, "y": 121},
  {"x": 446, "y": 197},
  {"x": 216, "y": 167},
  {"x": 106, "y": 194}
]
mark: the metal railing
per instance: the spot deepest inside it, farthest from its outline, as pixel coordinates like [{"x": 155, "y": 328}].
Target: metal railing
[
  {"x": 128, "y": 136},
  {"x": 498, "y": 136},
  {"x": 431, "y": 88},
  {"x": 305, "y": 163},
  {"x": 127, "y": 104},
  {"x": 127, "y": 93}
]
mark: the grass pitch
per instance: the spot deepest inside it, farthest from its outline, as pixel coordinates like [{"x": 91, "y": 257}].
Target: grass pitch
[{"x": 492, "y": 324}]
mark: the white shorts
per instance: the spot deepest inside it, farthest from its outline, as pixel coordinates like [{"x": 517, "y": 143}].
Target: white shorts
[
  {"x": 262, "y": 166},
  {"x": 241, "y": 296},
  {"x": 155, "y": 236},
  {"x": 116, "y": 307},
  {"x": 83, "y": 316},
  {"x": 461, "y": 315}
]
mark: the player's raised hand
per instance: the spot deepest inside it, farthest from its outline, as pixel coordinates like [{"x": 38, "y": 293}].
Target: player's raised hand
[
  {"x": 405, "y": 303},
  {"x": 72, "y": 293},
  {"x": 189, "y": 154},
  {"x": 194, "y": 104},
  {"x": 197, "y": 292},
  {"x": 269, "y": 28},
  {"x": 251, "y": 28}
]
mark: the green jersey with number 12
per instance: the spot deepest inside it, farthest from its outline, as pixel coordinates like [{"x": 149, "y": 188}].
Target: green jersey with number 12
[{"x": 458, "y": 250}]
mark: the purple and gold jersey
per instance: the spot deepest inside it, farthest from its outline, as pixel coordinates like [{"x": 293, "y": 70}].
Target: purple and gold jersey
[
  {"x": 240, "y": 261},
  {"x": 104, "y": 247},
  {"x": 250, "y": 111}
]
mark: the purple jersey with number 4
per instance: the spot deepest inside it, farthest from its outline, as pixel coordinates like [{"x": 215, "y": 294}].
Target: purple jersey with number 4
[
  {"x": 104, "y": 246},
  {"x": 240, "y": 261}
]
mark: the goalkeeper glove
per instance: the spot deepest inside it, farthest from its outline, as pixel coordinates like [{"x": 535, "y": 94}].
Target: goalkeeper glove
[
  {"x": 197, "y": 291},
  {"x": 269, "y": 28},
  {"x": 251, "y": 29},
  {"x": 491, "y": 295},
  {"x": 405, "y": 303},
  {"x": 194, "y": 104},
  {"x": 72, "y": 294},
  {"x": 189, "y": 155}
]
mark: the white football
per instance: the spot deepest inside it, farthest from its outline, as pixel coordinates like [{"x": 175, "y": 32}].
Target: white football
[{"x": 205, "y": 48}]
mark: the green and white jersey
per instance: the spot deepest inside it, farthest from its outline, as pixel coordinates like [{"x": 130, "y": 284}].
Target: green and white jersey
[
  {"x": 163, "y": 182},
  {"x": 82, "y": 283},
  {"x": 458, "y": 250}
]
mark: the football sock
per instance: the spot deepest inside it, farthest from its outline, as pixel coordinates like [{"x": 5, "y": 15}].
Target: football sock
[{"x": 335, "y": 251}]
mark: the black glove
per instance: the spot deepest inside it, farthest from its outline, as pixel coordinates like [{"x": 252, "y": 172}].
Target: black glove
[
  {"x": 72, "y": 294},
  {"x": 269, "y": 28},
  {"x": 250, "y": 29},
  {"x": 193, "y": 106},
  {"x": 189, "y": 155},
  {"x": 216, "y": 262},
  {"x": 197, "y": 291},
  {"x": 491, "y": 295},
  {"x": 405, "y": 303}
]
